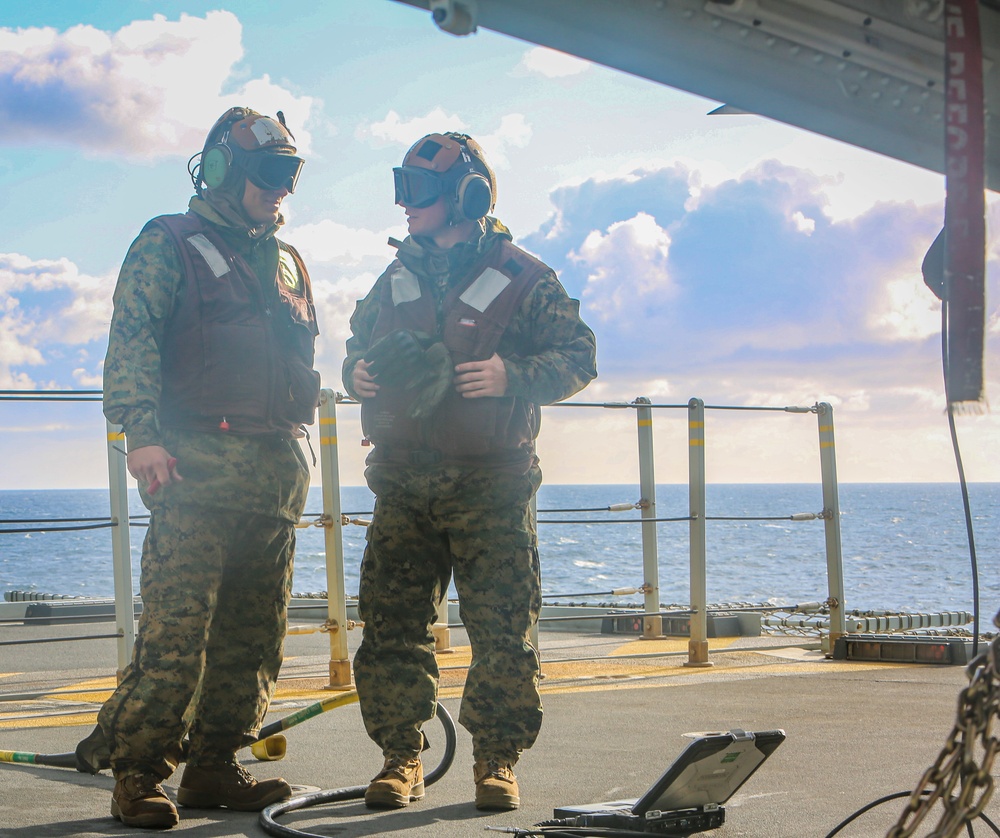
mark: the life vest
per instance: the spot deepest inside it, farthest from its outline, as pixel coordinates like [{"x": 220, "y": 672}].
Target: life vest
[
  {"x": 475, "y": 313},
  {"x": 232, "y": 359}
]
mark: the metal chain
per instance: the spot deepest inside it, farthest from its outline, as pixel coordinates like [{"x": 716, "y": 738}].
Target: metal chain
[{"x": 961, "y": 776}]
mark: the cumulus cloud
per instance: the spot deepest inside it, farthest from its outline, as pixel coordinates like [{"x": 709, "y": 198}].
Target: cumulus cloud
[
  {"x": 46, "y": 306},
  {"x": 395, "y": 129},
  {"x": 551, "y": 63},
  {"x": 152, "y": 88},
  {"x": 331, "y": 241},
  {"x": 747, "y": 286},
  {"x": 513, "y": 132},
  {"x": 625, "y": 267}
]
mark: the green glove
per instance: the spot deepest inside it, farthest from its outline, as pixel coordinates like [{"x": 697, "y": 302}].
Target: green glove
[
  {"x": 398, "y": 359},
  {"x": 435, "y": 383}
]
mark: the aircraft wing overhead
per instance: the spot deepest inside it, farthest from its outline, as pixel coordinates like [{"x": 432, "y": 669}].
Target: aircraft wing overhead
[{"x": 867, "y": 72}]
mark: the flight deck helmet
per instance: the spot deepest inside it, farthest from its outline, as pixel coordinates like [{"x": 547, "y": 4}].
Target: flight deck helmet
[
  {"x": 452, "y": 165},
  {"x": 244, "y": 143}
]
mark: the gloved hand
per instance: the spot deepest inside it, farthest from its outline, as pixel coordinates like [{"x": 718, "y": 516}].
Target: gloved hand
[
  {"x": 413, "y": 361},
  {"x": 436, "y": 381},
  {"x": 397, "y": 360}
]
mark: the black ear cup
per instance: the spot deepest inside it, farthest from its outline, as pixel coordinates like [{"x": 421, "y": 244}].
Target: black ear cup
[
  {"x": 215, "y": 163},
  {"x": 473, "y": 197}
]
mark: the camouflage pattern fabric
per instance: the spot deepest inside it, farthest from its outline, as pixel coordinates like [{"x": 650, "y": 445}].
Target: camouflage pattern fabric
[
  {"x": 427, "y": 525},
  {"x": 265, "y": 475},
  {"x": 215, "y": 588},
  {"x": 549, "y": 352}
]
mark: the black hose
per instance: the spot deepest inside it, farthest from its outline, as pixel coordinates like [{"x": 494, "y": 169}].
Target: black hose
[{"x": 271, "y": 827}]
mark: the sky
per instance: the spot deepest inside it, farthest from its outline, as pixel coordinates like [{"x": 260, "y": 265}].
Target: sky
[{"x": 728, "y": 258}]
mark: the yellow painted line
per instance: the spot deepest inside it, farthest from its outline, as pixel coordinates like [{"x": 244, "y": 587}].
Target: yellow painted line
[
  {"x": 116, "y": 437},
  {"x": 695, "y": 425},
  {"x": 99, "y": 690},
  {"x": 697, "y": 442},
  {"x": 826, "y": 445},
  {"x": 826, "y": 429},
  {"x": 612, "y": 672},
  {"x": 74, "y": 720},
  {"x": 328, "y": 420},
  {"x": 328, "y": 440},
  {"x": 645, "y": 423}
]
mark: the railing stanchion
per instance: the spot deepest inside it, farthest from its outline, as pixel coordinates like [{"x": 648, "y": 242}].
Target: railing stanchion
[
  {"x": 440, "y": 630},
  {"x": 831, "y": 522},
  {"x": 336, "y": 597},
  {"x": 652, "y": 627},
  {"x": 698, "y": 642},
  {"x": 121, "y": 546}
]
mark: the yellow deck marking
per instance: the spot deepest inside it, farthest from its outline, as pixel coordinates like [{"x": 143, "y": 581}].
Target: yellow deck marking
[{"x": 614, "y": 671}]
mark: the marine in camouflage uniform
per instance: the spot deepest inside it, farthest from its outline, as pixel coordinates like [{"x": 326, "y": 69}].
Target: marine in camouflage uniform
[
  {"x": 213, "y": 412},
  {"x": 454, "y": 469}
]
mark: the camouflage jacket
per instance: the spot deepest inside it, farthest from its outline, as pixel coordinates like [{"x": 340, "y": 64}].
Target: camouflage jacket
[
  {"x": 246, "y": 473},
  {"x": 549, "y": 353}
]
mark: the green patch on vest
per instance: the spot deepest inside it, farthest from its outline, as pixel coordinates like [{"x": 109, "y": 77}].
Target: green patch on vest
[{"x": 288, "y": 272}]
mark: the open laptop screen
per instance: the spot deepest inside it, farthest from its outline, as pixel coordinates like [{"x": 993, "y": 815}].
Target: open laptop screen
[{"x": 709, "y": 770}]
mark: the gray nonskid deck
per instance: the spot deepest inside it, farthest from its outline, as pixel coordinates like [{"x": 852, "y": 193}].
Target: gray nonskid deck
[{"x": 854, "y": 733}]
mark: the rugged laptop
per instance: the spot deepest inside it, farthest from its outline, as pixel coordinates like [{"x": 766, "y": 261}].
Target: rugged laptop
[{"x": 688, "y": 796}]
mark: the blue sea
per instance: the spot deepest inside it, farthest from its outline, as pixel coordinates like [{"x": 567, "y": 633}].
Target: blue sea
[{"x": 905, "y": 546}]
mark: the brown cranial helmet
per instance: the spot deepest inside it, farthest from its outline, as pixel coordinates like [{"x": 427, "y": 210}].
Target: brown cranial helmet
[
  {"x": 448, "y": 164},
  {"x": 244, "y": 143}
]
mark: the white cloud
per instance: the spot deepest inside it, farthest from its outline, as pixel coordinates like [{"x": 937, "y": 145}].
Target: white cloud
[
  {"x": 46, "y": 304},
  {"x": 625, "y": 264},
  {"x": 152, "y": 88},
  {"x": 330, "y": 241},
  {"x": 394, "y": 129},
  {"x": 904, "y": 309},
  {"x": 552, "y": 63},
  {"x": 803, "y": 224},
  {"x": 513, "y": 132}
]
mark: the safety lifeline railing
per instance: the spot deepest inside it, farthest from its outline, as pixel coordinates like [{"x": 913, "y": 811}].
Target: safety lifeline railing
[
  {"x": 331, "y": 520},
  {"x": 652, "y": 615}
]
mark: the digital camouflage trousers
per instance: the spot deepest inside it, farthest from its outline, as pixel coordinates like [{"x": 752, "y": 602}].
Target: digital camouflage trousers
[
  {"x": 430, "y": 525},
  {"x": 215, "y": 589}
]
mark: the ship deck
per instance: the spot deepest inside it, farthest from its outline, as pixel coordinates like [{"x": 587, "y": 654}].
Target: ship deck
[{"x": 616, "y": 711}]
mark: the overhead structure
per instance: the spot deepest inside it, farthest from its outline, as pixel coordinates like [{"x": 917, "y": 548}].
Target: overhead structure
[{"x": 867, "y": 72}]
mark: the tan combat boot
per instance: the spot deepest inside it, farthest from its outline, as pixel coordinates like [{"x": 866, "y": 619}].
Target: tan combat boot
[
  {"x": 228, "y": 784},
  {"x": 138, "y": 800},
  {"x": 400, "y": 781},
  {"x": 496, "y": 785}
]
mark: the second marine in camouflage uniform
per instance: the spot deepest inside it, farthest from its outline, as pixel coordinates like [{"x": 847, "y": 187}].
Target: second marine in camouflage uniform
[{"x": 453, "y": 478}]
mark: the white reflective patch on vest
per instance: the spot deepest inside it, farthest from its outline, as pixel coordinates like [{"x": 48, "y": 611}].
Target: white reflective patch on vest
[
  {"x": 405, "y": 287},
  {"x": 485, "y": 289},
  {"x": 216, "y": 261}
]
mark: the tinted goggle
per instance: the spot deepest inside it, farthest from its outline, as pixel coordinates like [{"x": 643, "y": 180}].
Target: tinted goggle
[
  {"x": 273, "y": 171},
  {"x": 417, "y": 188}
]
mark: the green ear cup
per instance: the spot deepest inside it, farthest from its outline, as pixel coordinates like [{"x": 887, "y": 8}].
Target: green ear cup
[{"x": 215, "y": 165}]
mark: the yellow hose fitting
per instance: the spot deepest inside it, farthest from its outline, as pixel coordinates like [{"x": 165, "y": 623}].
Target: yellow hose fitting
[{"x": 270, "y": 749}]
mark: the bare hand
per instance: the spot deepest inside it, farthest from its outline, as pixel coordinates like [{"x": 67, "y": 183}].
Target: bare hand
[
  {"x": 477, "y": 379},
  {"x": 364, "y": 385},
  {"x": 152, "y": 462}
]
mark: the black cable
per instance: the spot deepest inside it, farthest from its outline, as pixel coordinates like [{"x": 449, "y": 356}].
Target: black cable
[
  {"x": 58, "y": 639},
  {"x": 867, "y": 808},
  {"x": 271, "y": 827},
  {"x": 897, "y": 796},
  {"x": 961, "y": 480}
]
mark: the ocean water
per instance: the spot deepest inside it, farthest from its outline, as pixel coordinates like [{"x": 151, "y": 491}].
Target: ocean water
[{"x": 904, "y": 545}]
